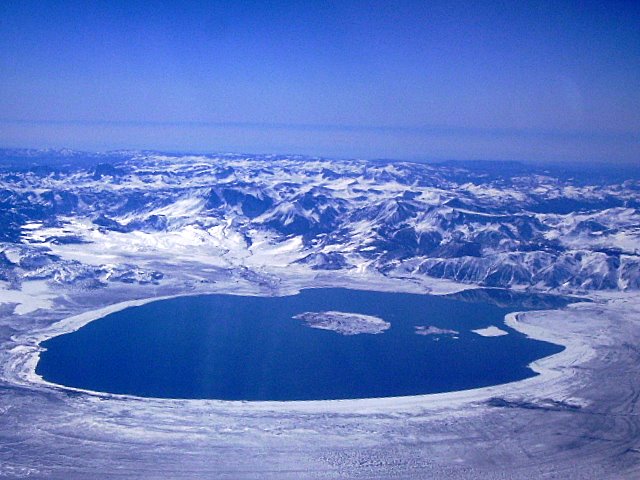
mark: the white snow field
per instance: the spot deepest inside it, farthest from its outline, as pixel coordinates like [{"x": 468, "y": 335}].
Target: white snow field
[{"x": 79, "y": 242}]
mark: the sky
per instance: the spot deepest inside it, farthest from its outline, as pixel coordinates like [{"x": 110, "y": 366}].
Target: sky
[{"x": 424, "y": 80}]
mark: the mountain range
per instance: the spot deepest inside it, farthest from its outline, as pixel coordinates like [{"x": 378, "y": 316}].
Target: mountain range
[{"x": 83, "y": 220}]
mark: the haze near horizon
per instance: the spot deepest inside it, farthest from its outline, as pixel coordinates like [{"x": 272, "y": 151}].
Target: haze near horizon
[{"x": 540, "y": 81}]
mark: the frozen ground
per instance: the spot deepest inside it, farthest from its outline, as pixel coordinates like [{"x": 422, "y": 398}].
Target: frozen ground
[
  {"x": 577, "y": 419},
  {"x": 84, "y": 234}
]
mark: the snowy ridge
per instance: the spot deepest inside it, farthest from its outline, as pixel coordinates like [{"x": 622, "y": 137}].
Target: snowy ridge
[{"x": 88, "y": 220}]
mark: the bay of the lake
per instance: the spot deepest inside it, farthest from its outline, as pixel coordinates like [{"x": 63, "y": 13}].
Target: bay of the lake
[{"x": 233, "y": 347}]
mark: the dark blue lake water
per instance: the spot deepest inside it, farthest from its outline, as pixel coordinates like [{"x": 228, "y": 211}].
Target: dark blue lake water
[{"x": 250, "y": 348}]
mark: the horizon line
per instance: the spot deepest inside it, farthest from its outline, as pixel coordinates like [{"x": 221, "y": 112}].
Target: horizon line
[{"x": 587, "y": 135}]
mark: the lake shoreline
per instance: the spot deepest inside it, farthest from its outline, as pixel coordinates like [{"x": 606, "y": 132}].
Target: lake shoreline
[
  {"x": 377, "y": 358},
  {"x": 525, "y": 421},
  {"x": 25, "y": 357}
]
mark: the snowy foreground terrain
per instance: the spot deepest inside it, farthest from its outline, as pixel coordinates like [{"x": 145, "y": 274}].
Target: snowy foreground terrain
[{"x": 82, "y": 235}]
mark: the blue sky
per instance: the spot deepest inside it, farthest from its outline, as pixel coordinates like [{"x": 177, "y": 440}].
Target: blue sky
[{"x": 542, "y": 81}]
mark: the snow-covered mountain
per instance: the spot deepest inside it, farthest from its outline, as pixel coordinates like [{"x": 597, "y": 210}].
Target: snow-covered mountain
[{"x": 86, "y": 219}]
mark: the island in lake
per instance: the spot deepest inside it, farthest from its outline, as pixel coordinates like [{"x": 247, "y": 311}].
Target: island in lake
[
  {"x": 344, "y": 323},
  {"x": 431, "y": 330},
  {"x": 491, "y": 331}
]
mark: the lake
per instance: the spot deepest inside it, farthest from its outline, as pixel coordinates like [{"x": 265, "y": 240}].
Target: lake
[{"x": 252, "y": 348}]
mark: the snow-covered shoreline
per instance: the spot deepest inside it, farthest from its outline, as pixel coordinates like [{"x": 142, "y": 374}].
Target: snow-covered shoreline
[
  {"x": 25, "y": 356},
  {"x": 443, "y": 427},
  {"x": 113, "y": 233}
]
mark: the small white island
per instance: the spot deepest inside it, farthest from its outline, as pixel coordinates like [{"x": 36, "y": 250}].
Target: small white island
[
  {"x": 491, "y": 331},
  {"x": 344, "y": 323}
]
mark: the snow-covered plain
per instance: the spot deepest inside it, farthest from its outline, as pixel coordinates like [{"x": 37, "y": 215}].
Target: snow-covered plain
[{"x": 80, "y": 243}]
